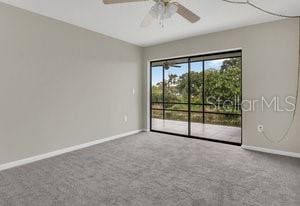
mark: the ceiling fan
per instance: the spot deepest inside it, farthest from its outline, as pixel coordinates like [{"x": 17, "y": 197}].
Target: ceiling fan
[
  {"x": 161, "y": 10},
  {"x": 167, "y": 65}
]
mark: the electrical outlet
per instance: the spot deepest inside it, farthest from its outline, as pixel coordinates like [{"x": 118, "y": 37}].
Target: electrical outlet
[
  {"x": 133, "y": 91},
  {"x": 125, "y": 118},
  {"x": 260, "y": 128}
]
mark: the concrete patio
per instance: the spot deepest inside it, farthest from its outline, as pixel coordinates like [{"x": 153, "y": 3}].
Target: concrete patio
[{"x": 210, "y": 131}]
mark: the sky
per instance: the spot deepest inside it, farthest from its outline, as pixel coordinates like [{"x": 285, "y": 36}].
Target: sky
[{"x": 195, "y": 66}]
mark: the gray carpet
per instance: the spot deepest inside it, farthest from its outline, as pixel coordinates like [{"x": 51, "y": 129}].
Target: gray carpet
[{"x": 155, "y": 169}]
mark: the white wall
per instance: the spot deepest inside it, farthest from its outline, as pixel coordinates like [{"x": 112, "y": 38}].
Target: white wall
[
  {"x": 61, "y": 85},
  {"x": 270, "y": 60}
]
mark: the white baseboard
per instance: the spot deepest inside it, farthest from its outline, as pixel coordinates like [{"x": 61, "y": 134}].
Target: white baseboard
[
  {"x": 272, "y": 151},
  {"x": 63, "y": 151}
]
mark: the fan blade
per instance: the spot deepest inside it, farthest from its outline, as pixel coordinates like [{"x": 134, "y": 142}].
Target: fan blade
[
  {"x": 147, "y": 20},
  {"x": 120, "y": 1},
  {"x": 167, "y": 65},
  {"x": 186, "y": 13},
  {"x": 174, "y": 65}
]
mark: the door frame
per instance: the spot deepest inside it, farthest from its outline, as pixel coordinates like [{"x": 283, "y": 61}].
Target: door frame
[{"x": 149, "y": 89}]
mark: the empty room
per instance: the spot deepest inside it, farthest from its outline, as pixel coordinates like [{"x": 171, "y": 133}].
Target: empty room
[{"x": 149, "y": 103}]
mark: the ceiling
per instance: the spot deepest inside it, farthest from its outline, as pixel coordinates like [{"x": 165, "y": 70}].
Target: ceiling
[{"x": 122, "y": 21}]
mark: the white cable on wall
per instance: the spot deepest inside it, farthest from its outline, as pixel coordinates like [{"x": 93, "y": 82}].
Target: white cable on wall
[{"x": 248, "y": 2}]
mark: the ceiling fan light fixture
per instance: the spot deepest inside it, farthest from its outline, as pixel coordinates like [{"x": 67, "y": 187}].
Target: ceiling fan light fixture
[
  {"x": 157, "y": 9},
  {"x": 162, "y": 11},
  {"x": 170, "y": 10}
]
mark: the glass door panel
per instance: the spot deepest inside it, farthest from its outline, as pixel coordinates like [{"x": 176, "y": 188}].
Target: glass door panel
[
  {"x": 196, "y": 97},
  {"x": 156, "y": 96},
  {"x": 222, "y": 96},
  {"x": 176, "y": 96},
  {"x": 170, "y": 96}
]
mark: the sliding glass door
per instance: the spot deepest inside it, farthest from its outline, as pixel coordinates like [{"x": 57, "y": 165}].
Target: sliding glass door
[
  {"x": 169, "y": 96},
  {"x": 198, "y": 97}
]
